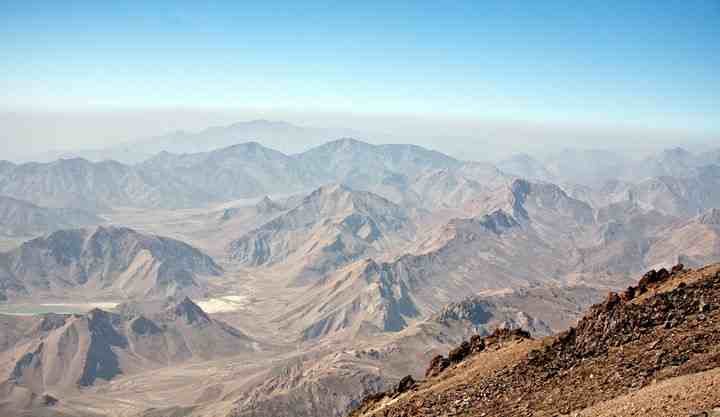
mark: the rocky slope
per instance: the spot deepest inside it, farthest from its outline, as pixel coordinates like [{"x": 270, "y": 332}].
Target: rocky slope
[
  {"x": 332, "y": 226},
  {"x": 59, "y": 354},
  {"x": 694, "y": 242},
  {"x": 523, "y": 240},
  {"x": 497, "y": 251},
  {"x": 104, "y": 261},
  {"x": 331, "y": 379},
  {"x": 638, "y": 353},
  {"x": 361, "y": 299}
]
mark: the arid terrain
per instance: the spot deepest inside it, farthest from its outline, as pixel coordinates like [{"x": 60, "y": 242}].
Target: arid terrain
[
  {"x": 651, "y": 350},
  {"x": 242, "y": 281}
]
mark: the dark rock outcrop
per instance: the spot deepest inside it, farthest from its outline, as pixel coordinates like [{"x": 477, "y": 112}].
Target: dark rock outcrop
[{"x": 476, "y": 344}]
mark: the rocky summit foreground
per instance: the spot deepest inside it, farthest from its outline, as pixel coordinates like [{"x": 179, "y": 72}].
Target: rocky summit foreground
[{"x": 653, "y": 350}]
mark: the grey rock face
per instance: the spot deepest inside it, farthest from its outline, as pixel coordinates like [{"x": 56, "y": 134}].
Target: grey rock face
[
  {"x": 98, "y": 258},
  {"x": 334, "y": 224}
]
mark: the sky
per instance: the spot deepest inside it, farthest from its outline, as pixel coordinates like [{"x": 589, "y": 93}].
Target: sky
[{"x": 602, "y": 64}]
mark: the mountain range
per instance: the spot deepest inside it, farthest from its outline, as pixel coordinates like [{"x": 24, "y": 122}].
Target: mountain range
[
  {"x": 347, "y": 266},
  {"x": 272, "y": 133},
  {"x": 405, "y": 174}
]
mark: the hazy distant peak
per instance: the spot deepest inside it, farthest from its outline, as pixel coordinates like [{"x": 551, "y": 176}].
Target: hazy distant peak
[
  {"x": 72, "y": 160},
  {"x": 333, "y": 188},
  {"x": 677, "y": 152},
  {"x": 265, "y": 123},
  {"x": 525, "y": 166},
  {"x": 345, "y": 143},
  {"x": 250, "y": 148}
]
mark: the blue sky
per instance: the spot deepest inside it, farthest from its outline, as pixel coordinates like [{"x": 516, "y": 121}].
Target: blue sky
[{"x": 647, "y": 63}]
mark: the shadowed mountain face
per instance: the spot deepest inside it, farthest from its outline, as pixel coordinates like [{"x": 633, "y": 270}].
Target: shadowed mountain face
[
  {"x": 62, "y": 352},
  {"x": 110, "y": 260}
]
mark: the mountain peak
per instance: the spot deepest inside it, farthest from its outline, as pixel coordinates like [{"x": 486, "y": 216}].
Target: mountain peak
[
  {"x": 251, "y": 146},
  {"x": 263, "y": 123},
  {"x": 190, "y": 312},
  {"x": 345, "y": 143}
]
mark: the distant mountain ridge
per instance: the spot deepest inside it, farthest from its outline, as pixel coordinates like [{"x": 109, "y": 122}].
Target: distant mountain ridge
[
  {"x": 271, "y": 133},
  {"x": 406, "y": 174},
  {"x": 242, "y": 170}
]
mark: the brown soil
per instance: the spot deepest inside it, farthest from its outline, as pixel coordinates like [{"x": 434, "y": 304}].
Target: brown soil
[{"x": 652, "y": 350}]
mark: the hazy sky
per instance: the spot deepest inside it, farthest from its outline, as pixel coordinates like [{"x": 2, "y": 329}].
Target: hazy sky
[{"x": 105, "y": 70}]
